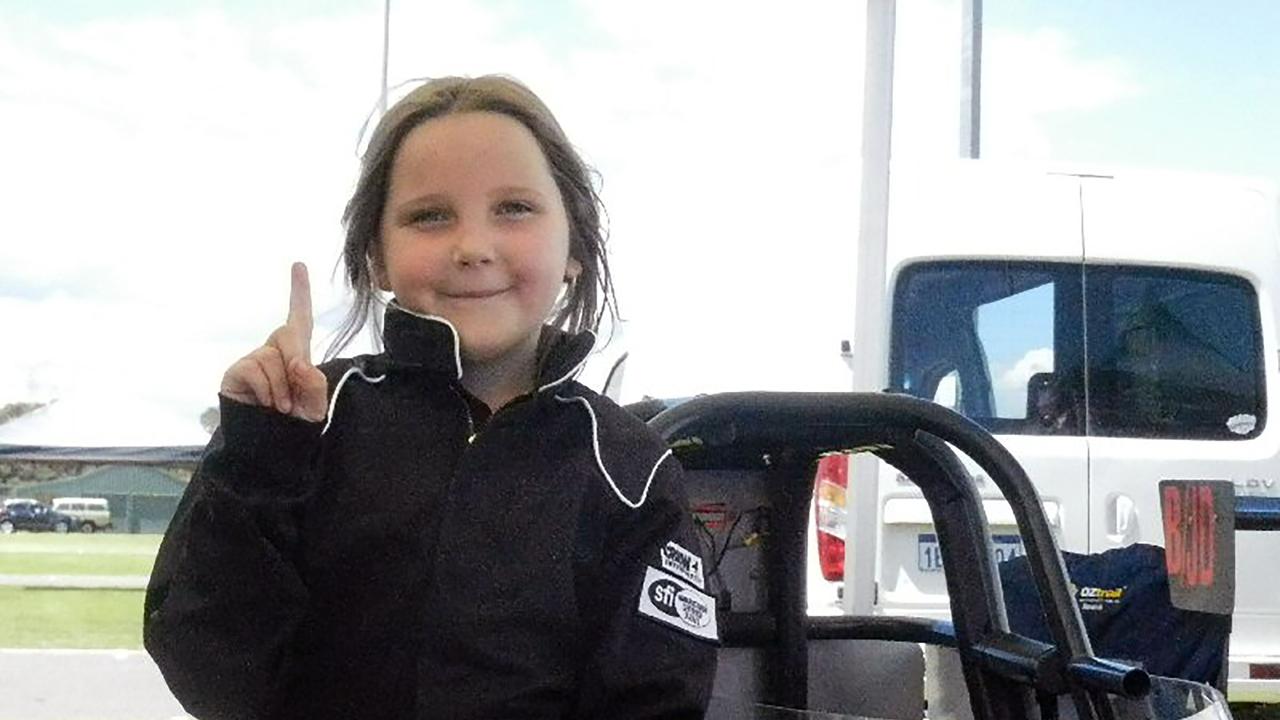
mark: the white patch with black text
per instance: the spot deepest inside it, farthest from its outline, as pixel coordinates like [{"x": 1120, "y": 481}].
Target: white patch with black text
[
  {"x": 673, "y": 602},
  {"x": 682, "y": 563}
]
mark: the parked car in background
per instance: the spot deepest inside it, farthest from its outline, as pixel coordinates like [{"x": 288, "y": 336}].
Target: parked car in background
[
  {"x": 34, "y": 516},
  {"x": 90, "y": 514}
]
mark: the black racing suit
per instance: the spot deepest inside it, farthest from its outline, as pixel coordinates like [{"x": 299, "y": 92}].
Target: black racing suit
[{"x": 415, "y": 558}]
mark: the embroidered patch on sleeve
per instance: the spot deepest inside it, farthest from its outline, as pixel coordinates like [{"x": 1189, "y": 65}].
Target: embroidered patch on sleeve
[
  {"x": 676, "y": 603},
  {"x": 682, "y": 563}
]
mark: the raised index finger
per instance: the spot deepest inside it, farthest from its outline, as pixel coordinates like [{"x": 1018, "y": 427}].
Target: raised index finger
[{"x": 300, "y": 318}]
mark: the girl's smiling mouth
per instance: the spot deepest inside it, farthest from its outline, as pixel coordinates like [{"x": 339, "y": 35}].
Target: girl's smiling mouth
[{"x": 478, "y": 294}]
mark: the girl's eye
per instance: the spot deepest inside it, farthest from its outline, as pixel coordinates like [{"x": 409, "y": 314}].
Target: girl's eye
[
  {"x": 514, "y": 208},
  {"x": 429, "y": 216}
]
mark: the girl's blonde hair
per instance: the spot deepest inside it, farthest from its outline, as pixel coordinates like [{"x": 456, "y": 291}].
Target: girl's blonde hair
[{"x": 588, "y": 299}]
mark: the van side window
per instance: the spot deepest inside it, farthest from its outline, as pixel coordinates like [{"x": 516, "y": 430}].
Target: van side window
[
  {"x": 1173, "y": 354},
  {"x": 1007, "y": 334},
  {"x": 947, "y": 394},
  {"x": 1016, "y": 334}
]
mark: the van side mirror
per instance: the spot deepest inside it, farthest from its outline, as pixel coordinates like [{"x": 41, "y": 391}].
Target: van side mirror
[{"x": 846, "y": 354}]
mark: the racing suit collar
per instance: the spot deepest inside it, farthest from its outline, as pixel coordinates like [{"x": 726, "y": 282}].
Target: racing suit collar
[{"x": 431, "y": 342}]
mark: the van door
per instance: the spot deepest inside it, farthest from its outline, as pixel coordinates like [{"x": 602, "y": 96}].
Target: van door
[
  {"x": 999, "y": 340},
  {"x": 1180, "y": 321}
]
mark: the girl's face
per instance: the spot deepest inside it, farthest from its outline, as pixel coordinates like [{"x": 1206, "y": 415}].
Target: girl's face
[{"x": 474, "y": 231}]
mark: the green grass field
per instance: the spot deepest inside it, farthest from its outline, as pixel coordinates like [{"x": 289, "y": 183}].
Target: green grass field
[
  {"x": 50, "y": 618},
  {"x": 73, "y": 554},
  {"x": 36, "y": 618}
]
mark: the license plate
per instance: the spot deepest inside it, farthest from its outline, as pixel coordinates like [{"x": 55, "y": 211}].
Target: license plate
[{"x": 929, "y": 553}]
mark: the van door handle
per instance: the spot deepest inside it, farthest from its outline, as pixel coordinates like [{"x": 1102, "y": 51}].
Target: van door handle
[{"x": 1122, "y": 519}]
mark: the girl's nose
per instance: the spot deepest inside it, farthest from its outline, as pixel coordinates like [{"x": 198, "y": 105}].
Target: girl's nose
[{"x": 472, "y": 249}]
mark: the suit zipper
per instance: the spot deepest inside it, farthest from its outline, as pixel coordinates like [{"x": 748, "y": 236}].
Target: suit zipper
[
  {"x": 472, "y": 433},
  {"x": 466, "y": 411}
]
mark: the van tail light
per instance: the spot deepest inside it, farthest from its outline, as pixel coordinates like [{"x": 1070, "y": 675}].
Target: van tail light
[
  {"x": 831, "y": 484},
  {"x": 1264, "y": 671}
]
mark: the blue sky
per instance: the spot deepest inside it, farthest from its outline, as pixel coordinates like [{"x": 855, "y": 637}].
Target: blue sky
[
  {"x": 1208, "y": 73},
  {"x": 166, "y": 161}
]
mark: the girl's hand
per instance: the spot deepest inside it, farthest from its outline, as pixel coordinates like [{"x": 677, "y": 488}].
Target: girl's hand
[{"x": 280, "y": 374}]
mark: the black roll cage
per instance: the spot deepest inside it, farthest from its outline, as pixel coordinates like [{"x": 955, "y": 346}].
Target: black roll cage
[{"x": 782, "y": 435}]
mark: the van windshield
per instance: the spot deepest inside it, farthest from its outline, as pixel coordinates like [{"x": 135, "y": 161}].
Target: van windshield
[{"x": 1061, "y": 349}]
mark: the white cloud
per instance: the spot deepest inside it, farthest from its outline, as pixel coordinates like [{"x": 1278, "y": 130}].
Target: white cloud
[
  {"x": 105, "y": 420},
  {"x": 165, "y": 155},
  {"x": 1027, "y": 79},
  {"x": 1011, "y": 383},
  {"x": 167, "y": 172},
  {"x": 169, "y": 169},
  {"x": 1031, "y": 77}
]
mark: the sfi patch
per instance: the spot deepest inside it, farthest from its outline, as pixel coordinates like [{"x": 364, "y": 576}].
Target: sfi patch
[
  {"x": 682, "y": 563},
  {"x": 673, "y": 602}
]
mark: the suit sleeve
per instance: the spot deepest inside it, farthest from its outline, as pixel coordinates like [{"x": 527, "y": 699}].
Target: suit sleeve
[
  {"x": 656, "y": 654},
  {"x": 226, "y": 596}
]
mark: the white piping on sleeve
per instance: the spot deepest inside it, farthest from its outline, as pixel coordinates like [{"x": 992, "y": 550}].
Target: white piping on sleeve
[
  {"x": 654, "y": 471},
  {"x": 595, "y": 446},
  {"x": 333, "y": 401}
]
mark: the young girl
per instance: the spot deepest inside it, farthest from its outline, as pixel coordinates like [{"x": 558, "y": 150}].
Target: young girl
[{"x": 453, "y": 528}]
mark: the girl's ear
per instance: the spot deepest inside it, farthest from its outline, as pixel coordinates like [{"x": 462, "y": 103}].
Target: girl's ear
[
  {"x": 572, "y": 270},
  {"x": 379, "y": 271}
]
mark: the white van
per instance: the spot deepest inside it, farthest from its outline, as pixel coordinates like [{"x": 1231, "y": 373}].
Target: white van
[
  {"x": 1112, "y": 331},
  {"x": 91, "y": 514}
]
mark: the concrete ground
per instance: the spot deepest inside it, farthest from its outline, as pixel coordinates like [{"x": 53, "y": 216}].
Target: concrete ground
[
  {"x": 85, "y": 582},
  {"x": 77, "y": 684}
]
